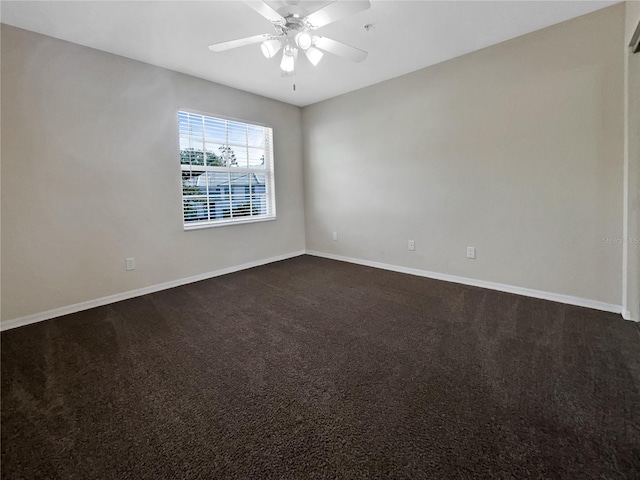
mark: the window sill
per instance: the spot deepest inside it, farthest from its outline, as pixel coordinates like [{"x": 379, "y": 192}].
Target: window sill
[{"x": 226, "y": 223}]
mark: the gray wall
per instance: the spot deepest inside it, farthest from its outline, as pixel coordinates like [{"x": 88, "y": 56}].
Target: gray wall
[
  {"x": 516, "y": 149},
  {"x": 91, "y": 175}
]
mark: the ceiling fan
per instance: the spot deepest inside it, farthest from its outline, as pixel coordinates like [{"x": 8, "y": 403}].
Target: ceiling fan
[{"x": 295, "y": 32}]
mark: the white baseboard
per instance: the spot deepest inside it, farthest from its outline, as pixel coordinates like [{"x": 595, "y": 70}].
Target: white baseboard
[
  {"x": 626, "y": 314},
  {"x": 98, "y": 302},
  {"x": 527, "y": 292}
]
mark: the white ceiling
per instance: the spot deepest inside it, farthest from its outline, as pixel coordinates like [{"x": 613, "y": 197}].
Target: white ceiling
[{"x": 407, "y": 36}]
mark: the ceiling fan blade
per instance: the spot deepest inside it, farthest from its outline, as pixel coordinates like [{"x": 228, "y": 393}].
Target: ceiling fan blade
[
  {"x": 267, "y": 12},
  {"x": 341, "y": 49},
  {"x": 282, "y": 4},
  {"x": 241, "y": 42},
  {"x": 335, "y": 11}
]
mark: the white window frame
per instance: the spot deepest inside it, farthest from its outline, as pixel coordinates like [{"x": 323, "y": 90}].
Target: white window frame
[{"x": 267, "y": 170}]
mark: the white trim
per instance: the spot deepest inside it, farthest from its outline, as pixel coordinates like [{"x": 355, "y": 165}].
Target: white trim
[
  {"x": 226, "y": 223},
  {"x": 527, "y": 292},
  {"x": 98, "y": 302}
]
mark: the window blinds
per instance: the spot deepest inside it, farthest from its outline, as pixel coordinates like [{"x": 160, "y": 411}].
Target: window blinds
[{"x": 227, "y": 171}]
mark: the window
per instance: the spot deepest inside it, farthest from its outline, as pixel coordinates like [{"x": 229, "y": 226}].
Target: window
[{"x": 227, "y": 171}]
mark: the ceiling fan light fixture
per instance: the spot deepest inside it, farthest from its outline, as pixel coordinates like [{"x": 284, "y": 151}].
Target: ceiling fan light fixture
[
  {"x": 314, "y": 55},
  {"x": 288, "y": 63},
  {"x": 303, "y": 40},
  {"x": 270, "y": 47}
]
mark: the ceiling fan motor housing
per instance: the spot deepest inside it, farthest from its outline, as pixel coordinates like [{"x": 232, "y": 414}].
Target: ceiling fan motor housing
[
  {"x": 294, "y": 31},
  {"x": 292, "y": 23}
]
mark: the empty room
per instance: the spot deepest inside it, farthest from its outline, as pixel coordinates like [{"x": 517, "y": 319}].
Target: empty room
[{"x": 341, "y": 239}]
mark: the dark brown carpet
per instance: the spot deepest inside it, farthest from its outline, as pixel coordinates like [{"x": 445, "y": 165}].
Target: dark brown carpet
[{"x": 312, "y": 368}]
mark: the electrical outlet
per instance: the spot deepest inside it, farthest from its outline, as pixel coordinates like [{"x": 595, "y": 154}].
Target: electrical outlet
[
  {"x": 131, "y": 263},
  {"x": 412, "y": 245},
  {"x": 471, "y": 252},
  {"x": 335, "y": 236}
]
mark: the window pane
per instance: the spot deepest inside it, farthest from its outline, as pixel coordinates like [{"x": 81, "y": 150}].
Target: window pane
[
  {"x": 183, "y": 124},
  {"x": 258, "y": 183},
  {"x": 240, "y": 157},
  {"x": 215, "y": 130},
  {"x": 191, "y": 184},
  {"x": 241, "y": 207},
  {"x": 185, "y": 159},
  {"x": 255, "y": 136},
  {"x": 183, "y": 118},
  {"x": 211, "y": 155},
  {"x": 237, "y": 133},
  {"x": 228, "y": 155},
  {"x": 195, "y": 209},
  {"x": 220, "y": 207},
  {"x": 259, "y": 178},
  {"x": 195, "y": 127},
  {"x": 184, "y": 143},
  {"x": 218, "y": 183},
  {"x": 256, "y": 158},
  {"x": 194, "y": 157},
  {"x": 240, "y": 183},
  {"x": 190, "y": 189},
  {"x": 259, "y": 204}
]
